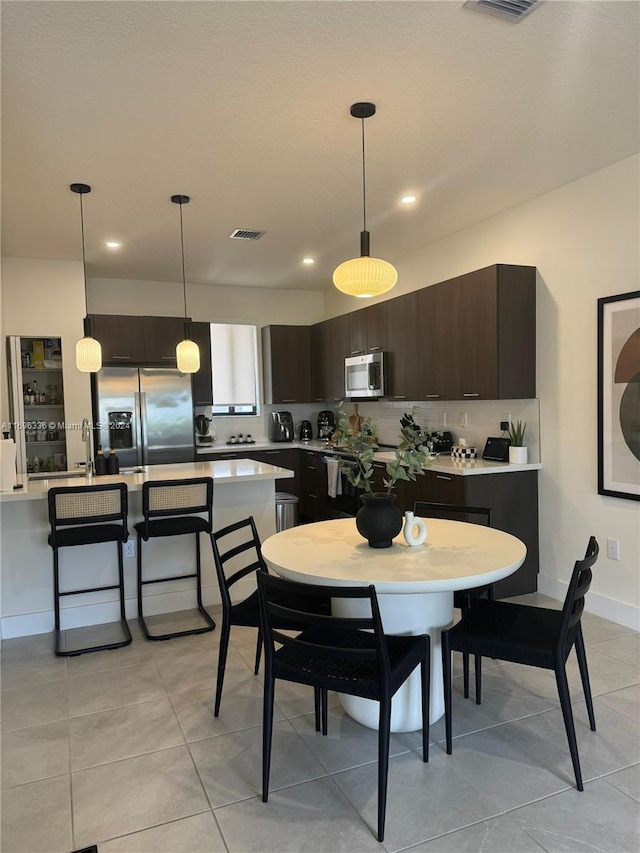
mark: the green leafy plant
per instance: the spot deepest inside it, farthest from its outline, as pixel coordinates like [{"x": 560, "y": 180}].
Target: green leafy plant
[
  {"x": 516, "y": 433},
  {"x": 412, "y": 454}
]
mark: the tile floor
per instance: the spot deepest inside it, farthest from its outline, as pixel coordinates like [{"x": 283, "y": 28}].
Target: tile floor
[{"x": 120, "y": 749}]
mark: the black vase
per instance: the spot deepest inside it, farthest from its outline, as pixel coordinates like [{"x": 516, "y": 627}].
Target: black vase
[{"x": 379, "y": 520}]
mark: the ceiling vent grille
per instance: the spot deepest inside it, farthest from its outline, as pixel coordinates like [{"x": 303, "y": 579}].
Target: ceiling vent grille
[
  {"x": 512, "y": 10},
  {"x": 246, "y": 234}
]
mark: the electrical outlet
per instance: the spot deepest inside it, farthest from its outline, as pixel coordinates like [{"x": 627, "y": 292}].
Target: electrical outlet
[
  {"x": 463, "y": 420},
  {"x": 613, "y": 549},
  {"x": 129, "y": 548},
  {"x": 505, "y": 417},
  {"x": 504, "y": 425}
]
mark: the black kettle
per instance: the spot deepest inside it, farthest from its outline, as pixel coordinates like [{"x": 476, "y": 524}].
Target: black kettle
[
  {"x": 202, "y": 424},
  {"x": 306, "y": 432}
]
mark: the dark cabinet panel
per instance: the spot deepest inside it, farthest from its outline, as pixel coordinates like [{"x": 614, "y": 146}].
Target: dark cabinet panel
[
  {"x": 313, "y": 485},
  {"x": 477, "y": 336},
  {"x": 286, "y": 362},
  {"x": 122, "y": 338},
  {"x": 329, "y": 348},
  {"x": 402, "y": 345},
  {"x": 202, "y": 381},
  {"x": 368, "y": 329},
  {"x": 161, "y": 337},
  {"x": 514, "y": 501},
  {"x": 148, "y": 341},
  {"x": 288, "y": 458}
]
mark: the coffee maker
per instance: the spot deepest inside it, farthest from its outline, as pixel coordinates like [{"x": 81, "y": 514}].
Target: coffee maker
[
  {"x": 281, "y": 428},
  {"x": 326, "y": 424},
  {"x": 306, "y": 433}
]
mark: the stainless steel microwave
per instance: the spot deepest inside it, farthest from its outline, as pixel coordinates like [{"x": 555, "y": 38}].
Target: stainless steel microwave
[{"x": 365, "y": 375}]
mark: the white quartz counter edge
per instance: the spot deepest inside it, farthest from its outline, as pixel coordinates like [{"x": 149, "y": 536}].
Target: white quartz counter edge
[
  {"x": 226, "y": 471},
  {"x": 443, "y": 464}
]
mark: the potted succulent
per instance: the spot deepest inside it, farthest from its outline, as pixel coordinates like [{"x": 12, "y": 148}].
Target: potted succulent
[
  {"x": 517, "y": 449},
  {"x": 379, "y": 520}
]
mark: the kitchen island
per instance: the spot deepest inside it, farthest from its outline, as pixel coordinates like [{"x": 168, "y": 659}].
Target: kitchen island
[{"x": 241, "y": 487}]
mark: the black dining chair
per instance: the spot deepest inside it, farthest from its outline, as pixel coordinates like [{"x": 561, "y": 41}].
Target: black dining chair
[
  {"x": 237, "y": 553},
  {"x": 534, "y": 636},
  {"x": 462, "y": 598},
  {"x": 348, "y": 654}
]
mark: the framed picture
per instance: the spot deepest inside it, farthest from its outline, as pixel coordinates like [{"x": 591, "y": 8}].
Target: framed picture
[{"x": 619, "y": 395}]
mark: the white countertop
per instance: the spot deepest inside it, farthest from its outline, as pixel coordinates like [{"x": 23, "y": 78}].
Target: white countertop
[
  {"x": 226, "y": 471},
  {"x": 443, "y": 464}
]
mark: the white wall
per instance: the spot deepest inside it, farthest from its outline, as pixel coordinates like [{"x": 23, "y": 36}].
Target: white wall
[
  {"x": 43, "y": 298},
  {"x": 584, "y": 240}
]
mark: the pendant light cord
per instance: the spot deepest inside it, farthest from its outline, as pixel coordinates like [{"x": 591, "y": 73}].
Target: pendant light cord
[
  {"x": 184, "y": 280},
  {"x": 84, "y": 262},
  {"x": 364, "y": 183}
]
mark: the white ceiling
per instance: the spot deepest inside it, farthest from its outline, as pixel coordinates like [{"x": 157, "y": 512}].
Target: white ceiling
[{"x": 244, "y": 106}]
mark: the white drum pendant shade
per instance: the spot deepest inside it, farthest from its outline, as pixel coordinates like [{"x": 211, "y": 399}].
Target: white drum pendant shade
[
  {"x": 365, "y": 277},
  {"x": 188, "y": 356},
  {"x": 88, "y": 355}
]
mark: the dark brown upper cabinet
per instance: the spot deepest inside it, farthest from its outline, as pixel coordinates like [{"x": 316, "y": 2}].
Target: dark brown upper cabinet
[
  {"x": 137, "y": 340},
  {"x": 402, "y": 346},
  {"x": 286, "y": 364},
  {"x": 202, "y": 381},
  {"x": 329, "y": 348},
  {"x": 477, "y": 336},
  {"x": 368, "y": 329}
]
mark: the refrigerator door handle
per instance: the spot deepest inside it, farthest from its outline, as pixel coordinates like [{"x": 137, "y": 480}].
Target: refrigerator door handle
[
  {"x": 137, "y": 402},
  {"x": 143, "y": 428}
]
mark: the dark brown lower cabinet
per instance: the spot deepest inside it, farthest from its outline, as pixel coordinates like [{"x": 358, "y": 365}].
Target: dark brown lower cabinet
[
  {"x": 313, "y": 486},
  {"x": 513, "y": 497}
]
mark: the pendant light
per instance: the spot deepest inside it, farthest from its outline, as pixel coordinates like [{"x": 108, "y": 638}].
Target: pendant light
[
  {"x": 187, "y": 351},
  {"x": 88, "y": 349},
  {"x": 364, "y": 276}
]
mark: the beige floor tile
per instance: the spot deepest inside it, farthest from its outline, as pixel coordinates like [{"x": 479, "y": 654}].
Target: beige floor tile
[
  {"x": 625, "y": 701},
  {"x": 627, "y": 781},
  {"x": 36, "y": 818},
  {"x": 314, "y": 817},
  {"x": 38, "y": 752},
  {"x": 137, "y": 653},
  {"x": 134, "y": 794},
  {"x": 196, "y": 669},
  {"x": 113, "y": 688},
  {"x": 625, "y": 648},
  {"x": 36, "y": 669},
  {"x": 197, "y": 834},
  {"x": 498, "y": 835},
  {"x": 33, "y": 705},
  {"x": 230, "y": 766},
  {"x": 122, "y": 733}
]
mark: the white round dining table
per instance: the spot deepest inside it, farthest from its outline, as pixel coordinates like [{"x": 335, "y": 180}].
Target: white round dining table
[{"x": 414, "y": 586}]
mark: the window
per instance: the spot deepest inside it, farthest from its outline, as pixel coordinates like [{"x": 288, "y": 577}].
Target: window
[{"x": 234, "y": 369}]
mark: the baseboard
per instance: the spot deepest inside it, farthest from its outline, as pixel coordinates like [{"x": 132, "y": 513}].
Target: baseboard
[
  {"x": 616, "y": 611},
  {"x": 109, "y": 611}
]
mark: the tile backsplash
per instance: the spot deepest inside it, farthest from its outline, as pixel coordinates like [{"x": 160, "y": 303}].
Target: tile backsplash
[{"x": 472, "y": 420}]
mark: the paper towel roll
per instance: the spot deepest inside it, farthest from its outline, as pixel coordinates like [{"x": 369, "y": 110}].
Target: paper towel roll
[{"x": 7, "y": 464}]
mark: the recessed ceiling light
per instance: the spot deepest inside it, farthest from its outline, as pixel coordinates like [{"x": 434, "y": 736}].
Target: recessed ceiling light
[
  {"x": 112, "y": 244},
  {"x": 308, "y": 261},
  {"x": 408, "y": 199}
]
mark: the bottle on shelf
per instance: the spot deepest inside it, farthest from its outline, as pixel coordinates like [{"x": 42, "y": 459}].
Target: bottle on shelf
[
  {"x": 26, "y": 393},
  {"x": 100, "y": 462},
  {"x": 36, "y": 392},
  {"x": 113, "y": 463}
]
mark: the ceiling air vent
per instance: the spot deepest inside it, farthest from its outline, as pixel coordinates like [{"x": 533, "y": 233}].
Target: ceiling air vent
[
  {"x": 246, "y": 234},
  {"x": 512, "y": 10}
]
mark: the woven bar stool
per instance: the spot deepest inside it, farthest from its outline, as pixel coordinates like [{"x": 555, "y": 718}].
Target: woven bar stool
[
  {"x": 168, "y": 507},
  {"x": 88, "y": 515}
]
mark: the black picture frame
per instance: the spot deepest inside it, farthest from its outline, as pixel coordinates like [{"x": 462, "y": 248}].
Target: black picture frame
[{"x": 619, "y": 395}]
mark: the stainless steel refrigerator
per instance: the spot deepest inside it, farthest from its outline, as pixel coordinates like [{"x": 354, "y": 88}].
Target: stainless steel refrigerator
[{"x": 144, "y": 414}]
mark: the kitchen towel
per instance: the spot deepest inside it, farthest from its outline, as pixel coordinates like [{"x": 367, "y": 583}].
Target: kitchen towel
[
  {"x": 334, "y": 480},
  {"x": 7, "y": 464}
]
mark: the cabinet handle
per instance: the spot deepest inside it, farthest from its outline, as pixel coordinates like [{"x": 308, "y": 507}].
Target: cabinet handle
[
  {"x": 357, "y": 352},
  {"x": 312, "y": 496},
  {"x": 289, "y": 401},
  {"x": 374, "y": 349},
  {"x": 168, "y": 357},
  {"x": 471, "y": 395},
  {"x": 399, "y": 396},
  {"x": 271, "y": 452},
  {"x": 121, "y": 357},
  {"x": 442, "y": 477},
  {"x": 432, "y": 395}
]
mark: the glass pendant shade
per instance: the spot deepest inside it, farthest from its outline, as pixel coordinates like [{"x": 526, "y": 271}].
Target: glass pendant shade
[
  {"x": 188, "y": 356},
  {"x": 365, "y": 277},
  {"x": 88, "y": 355}
]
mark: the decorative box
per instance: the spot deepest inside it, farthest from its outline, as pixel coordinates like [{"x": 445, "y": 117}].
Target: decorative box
[{"x": 461, "y": 451}]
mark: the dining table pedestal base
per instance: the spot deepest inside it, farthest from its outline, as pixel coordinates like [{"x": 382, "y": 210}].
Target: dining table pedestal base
[{"x": 417, "y": 613}]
